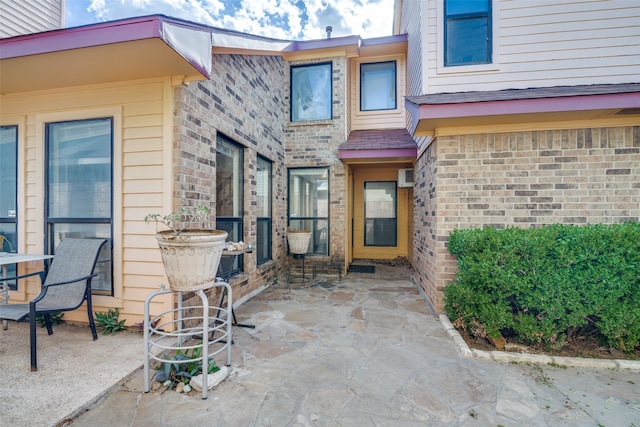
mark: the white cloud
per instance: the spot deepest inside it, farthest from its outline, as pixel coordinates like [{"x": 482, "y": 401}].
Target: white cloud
[{"x": 280, "y": 19}]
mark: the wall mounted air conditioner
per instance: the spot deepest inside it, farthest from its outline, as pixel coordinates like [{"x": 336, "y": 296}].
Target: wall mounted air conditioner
[{"x": 405, "y": 178}]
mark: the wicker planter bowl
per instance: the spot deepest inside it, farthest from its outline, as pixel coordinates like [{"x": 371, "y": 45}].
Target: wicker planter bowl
[
  {"x": 299, "y": 241},
  {"x": 191, "y": 258}
]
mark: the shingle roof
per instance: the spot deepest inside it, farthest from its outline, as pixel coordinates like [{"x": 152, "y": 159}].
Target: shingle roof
[
  {"x": 381, "y": 139},
  {"x": 531, "y": 93}
]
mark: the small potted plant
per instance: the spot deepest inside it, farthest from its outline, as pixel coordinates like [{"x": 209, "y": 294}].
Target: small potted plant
[
  {"x": 298, "y": 241},
  {"x": 190, "y": 255}
]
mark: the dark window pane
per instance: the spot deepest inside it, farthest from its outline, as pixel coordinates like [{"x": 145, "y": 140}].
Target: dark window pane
[
  {"x": 8, "y": 171},
  {"x": 378, "y": 86},
  {"x": 263, "y": 240},
  {"x": 466, "y": 40},
  {"x": 468, "y": 35},
  {"x": 229, "y": 179},
  {"x": 79, "y": 188},
  {"x": 79, "y": 178},
  {"x": 263, "y": 205},
  {"x": 380, "y": 201},
  {"x": 459, "y": 7},
  {"x": 311, "y": 92},
  {"x": 309, "y": 205}
]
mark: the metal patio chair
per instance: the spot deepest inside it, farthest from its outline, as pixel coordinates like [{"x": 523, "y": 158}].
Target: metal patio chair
[{"x": 66, "y": 286}]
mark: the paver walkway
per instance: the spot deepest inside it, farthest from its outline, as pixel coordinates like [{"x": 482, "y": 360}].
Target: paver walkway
[{"x": 366, "y": 351}]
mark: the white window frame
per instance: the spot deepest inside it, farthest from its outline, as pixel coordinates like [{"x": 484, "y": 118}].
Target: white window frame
[{"x": 495, "y": 36}]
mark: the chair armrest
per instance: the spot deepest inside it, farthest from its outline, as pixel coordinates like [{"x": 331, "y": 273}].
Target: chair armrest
[
  {"x": 72, "y": 280},
  {"x": 40, "y": 273},
  {"x": 43, "y": 292}
]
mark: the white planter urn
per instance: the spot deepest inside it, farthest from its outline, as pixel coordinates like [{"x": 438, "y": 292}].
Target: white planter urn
[
  {"x": 191, "y": 257},
  {"x": 299, "y": 241}
]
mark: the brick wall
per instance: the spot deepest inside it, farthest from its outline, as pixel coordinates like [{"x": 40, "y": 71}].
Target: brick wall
[
  {"x": 425, "y": 222},
  {"x": 244, "y": 100},
  {"x": 524, "y": 179},
  {"x": 316, "y": 144}
]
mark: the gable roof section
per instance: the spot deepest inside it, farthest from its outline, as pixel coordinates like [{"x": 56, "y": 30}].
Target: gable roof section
[
  {"x": 433, "y": 111},
  {"x": 381, "y": 144}
]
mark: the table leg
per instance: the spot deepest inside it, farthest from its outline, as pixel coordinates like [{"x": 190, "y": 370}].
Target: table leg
[{"x": 5, "y": 294}]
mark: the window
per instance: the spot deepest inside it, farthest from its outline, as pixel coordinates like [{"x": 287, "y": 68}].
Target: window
[
  {"x": 8, "y": 193},
  {"x": 309, "y": 205},
  {"x": 229, "y": 192},
  {"x": 79, "y": 188},
  {"x": 263, "y": 205},
  {"x": 467, "y": 29},
  {"x": 311, "y": 92},
  {"x": 380, "y": 213},
  {"x": 378, "y": 86}
]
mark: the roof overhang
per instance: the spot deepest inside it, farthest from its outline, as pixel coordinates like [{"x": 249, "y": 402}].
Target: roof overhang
[
  {"x": 430, "y": 113},
  {"x": 137, "y": 48},
  {"x": 231, "y": 42},
  {"x": 390, "y": 145}
]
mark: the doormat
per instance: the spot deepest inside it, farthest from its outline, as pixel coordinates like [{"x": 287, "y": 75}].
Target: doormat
[{"x": 355, "y": 268}]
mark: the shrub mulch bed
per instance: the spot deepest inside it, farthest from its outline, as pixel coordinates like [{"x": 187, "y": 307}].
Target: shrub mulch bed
[{"x": 579, "y": 347}]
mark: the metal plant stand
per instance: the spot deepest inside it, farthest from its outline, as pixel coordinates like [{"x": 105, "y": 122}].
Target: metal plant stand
[
  {"x": 303, "y": 278},
  {"x": 214, "y": 329}
]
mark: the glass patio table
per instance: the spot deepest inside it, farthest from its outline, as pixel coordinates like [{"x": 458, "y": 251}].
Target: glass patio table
[{"x": 7, "y": 259}]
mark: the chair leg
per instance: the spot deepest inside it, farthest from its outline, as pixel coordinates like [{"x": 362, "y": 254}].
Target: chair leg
[
  {"x": 92, "y": 323},
  {"x": 47, "y": 321},
  {"x": 32, "y": 336}
]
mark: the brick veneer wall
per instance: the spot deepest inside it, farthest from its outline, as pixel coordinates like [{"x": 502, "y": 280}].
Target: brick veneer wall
[
  {"x": 311, "y": 144},
  {"x": 244, "y": 100},
  {"x": 524, "y": 179}
]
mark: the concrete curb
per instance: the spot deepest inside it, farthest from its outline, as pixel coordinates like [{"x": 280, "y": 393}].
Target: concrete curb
[{"x": 505, "y": 356}]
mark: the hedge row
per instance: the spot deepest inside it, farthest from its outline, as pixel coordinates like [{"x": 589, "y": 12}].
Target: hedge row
[{"x": 542, "y": 285}]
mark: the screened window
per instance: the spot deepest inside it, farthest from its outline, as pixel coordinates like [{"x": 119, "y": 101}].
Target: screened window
[
  {"x": 309, "y": 205},
  {"x": 311, "y": 92},
  {"x": 378, "y": 86},
  {"x": 8, "y": 193},
  {"x": 467, "y": 29},
  {"x": 229, "y": 192},
  {"x": 79, "y": 188},
  {"x": 380, "y": 211},
  {"x": 263, "y": 205}
]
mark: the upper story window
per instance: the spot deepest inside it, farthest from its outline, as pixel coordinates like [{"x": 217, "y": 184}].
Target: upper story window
[
  {"x": 467, "y": 32},
  {"x": 378, "y": 86},
  {"x": 311, "y": 92}
]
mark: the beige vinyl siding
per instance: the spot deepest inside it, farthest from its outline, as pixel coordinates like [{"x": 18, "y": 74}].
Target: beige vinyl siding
[
  {"x": 386, "y": 119},
  {"x": 19, "y": 17},
  {"x": 140, "y": 177},
  {"x": 547, "y": 43},
  {"x": 412, "y": 21}
]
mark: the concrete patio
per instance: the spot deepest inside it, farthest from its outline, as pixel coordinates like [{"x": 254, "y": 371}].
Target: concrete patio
[{"x": 363, "y": 351}]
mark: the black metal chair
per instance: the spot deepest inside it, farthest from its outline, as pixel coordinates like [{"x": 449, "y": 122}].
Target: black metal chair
[{"x": 66, "y": 286}]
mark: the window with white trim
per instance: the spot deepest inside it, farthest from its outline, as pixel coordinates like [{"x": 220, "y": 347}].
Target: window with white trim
[{"x": 467, "y": 32}]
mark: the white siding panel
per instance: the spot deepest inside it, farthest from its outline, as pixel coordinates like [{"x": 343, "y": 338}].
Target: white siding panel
[
  {"x": 546, "y": 43},
  {"x": 19, "y": 17}
]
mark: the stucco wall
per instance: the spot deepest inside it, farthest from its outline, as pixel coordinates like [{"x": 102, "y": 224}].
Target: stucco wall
[
  {"x": 245, "y": 102},
  {"x": 524, "y": 179}
]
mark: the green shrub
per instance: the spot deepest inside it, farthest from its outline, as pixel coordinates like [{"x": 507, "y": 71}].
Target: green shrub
[
  {"x": 543, "y": 285},
  {"x": 109, "y": 322}
]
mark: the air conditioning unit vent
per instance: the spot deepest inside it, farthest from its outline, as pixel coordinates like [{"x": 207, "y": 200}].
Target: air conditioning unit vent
[{"x": 405, "y": 178}]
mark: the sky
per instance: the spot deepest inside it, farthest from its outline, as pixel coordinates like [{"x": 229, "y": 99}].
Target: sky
[{"x": 279, "y": 19}]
